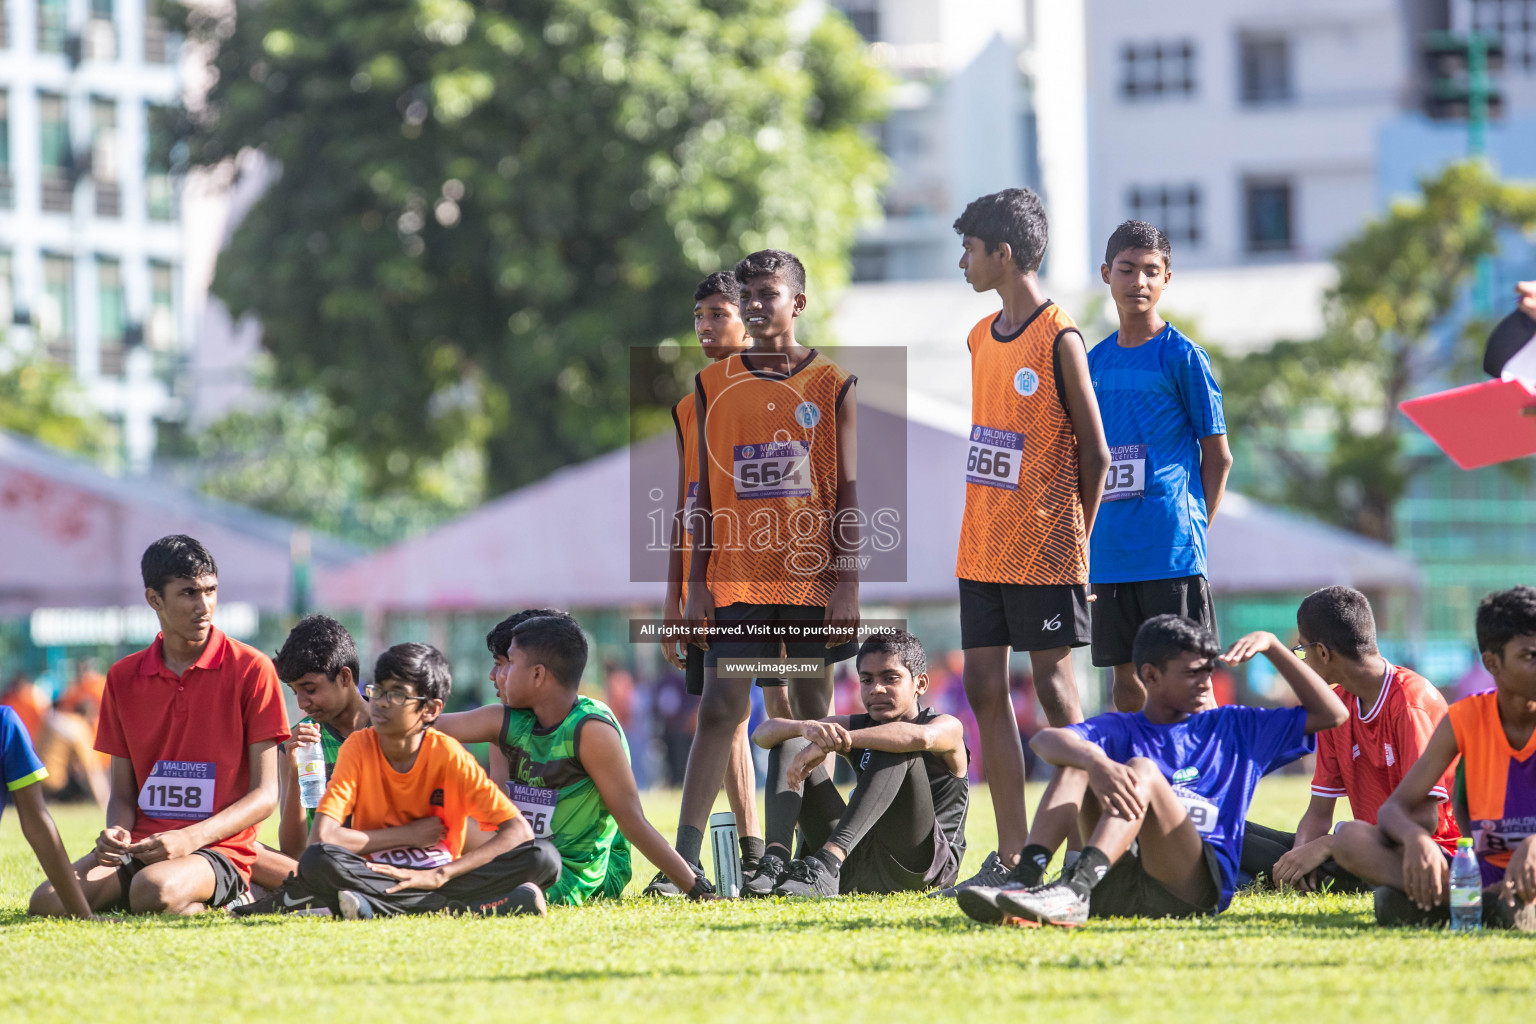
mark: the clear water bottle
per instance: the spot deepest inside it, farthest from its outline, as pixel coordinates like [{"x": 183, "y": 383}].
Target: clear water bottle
[
  {"x": 311, "y": 758},
  {"x": 1466, "y": 889}
]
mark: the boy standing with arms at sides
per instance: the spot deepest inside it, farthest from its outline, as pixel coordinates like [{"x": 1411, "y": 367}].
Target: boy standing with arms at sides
[
  {"x": 1034, "y": 473},
  {"x": 403, "y": 771},
  {"x": 776, "y": 535},
  {"x": 721, "y": 333},
  {"x": 1393, "y": 712},
  {"x": 23, "y": 771},
  {"x": 902, "y": 828},
  {"x": 318, "y": 662},
  {"x": 1176, "y": 779},
  {"x": 567, "y": 761},
  {"x": 1169, "y": 461},
  {"x": 192, "y": 723},
  {"x": 1494, "y": 733}
]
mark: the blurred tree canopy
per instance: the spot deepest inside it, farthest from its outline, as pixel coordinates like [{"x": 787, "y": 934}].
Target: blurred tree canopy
[
  {"x": 39, "y": 399},
  {"x": 479, "y": 207},
  {"x": 1395, "y": 329}
]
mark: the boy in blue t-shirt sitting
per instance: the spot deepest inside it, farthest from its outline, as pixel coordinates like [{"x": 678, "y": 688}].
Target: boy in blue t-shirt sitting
[
  {"x": 1175, "y": 780},
  {"x": 23, "y": 770},
  {"x": 1169, "y": 461}
]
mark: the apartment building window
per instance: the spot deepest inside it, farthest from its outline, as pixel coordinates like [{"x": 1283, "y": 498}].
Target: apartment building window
[
  {"x": 56, "y": 311},
  {"x": 101, "y": 32},
  {"x": 1514, "y": 21},
  {"x": 50, "y": 26},
  {"x": 159, "y": 187},
  {"x": 1157, "y": 69},
  {"x": 104, "y": 162},
  {"x": 160, "y": 330},
  {"x": 58, "y": 161},
  {"x": 1265, "y": 71},
  {"x": 1175, "y": 209},
  {"x": 156, "y": 48},
  {"x": 1269, "y": 215},
  {"x": 7, "y": 195},
  {"x": 111, "y": 315}
]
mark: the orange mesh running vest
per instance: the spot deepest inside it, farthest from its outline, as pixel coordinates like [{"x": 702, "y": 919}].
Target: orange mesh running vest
[
  {"x": 1023, "y": 518},
  {"x": 1501, "y": 781},
  {"x": 772, "y": 443}
]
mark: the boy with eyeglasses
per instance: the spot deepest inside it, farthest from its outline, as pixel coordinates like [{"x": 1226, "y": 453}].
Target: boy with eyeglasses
[
  {"x": 399, "y": 774},
  {"x": 1393, "y": 712}
]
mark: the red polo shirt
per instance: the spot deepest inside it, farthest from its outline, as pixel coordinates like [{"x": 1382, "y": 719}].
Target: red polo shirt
[{"x": 188, "y": 737}]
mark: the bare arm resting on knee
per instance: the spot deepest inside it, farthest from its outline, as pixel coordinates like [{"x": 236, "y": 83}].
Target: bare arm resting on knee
[{"x": 1409, "y": 814}]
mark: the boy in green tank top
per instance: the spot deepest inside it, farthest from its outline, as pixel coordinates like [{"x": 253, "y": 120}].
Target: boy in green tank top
[{"x": 567, "y": 762}]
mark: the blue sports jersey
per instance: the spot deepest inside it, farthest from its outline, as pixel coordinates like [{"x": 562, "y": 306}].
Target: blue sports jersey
[
  {"x": 18, "y": 761},
  {"x": 1213, "y": 760},
  {"x": 1157, "y": 400}
]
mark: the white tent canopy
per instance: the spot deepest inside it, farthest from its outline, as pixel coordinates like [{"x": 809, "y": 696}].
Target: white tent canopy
[
  {"x": 71, "y": 536},
  {"x": 565, "y": 541}
]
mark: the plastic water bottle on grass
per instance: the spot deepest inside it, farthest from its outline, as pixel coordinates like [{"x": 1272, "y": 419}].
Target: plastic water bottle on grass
[
  {"x": 311, "y": 758},
  {"x": 1466, "y": 889}
]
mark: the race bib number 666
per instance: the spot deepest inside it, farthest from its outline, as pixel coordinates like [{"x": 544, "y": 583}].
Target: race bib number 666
[{"x": 994, "y": 458}]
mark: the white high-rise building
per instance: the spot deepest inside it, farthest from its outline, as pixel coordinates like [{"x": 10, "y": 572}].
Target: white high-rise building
[{"x": 92, "y": 240}]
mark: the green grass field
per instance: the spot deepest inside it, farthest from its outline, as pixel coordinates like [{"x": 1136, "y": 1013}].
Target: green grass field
[{"x": 890, "y": 959}]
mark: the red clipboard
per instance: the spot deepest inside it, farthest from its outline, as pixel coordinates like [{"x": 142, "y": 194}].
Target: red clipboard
[{"x": 1479, "y": 424}]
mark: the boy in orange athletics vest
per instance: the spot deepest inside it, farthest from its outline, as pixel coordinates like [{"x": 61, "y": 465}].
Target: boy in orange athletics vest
[
  {"x": 717, "y": 322},
  {"x": 1034, "y": 476},
  {"x": 1494, "y": 733},
  {"x": 775, "y": 532}
]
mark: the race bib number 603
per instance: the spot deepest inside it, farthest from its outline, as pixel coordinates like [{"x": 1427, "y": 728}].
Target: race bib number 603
[
  {"x": 1127, "y": 476},
  {"x": 178, "y": 791},
  {"x": 995, "y": 458}
]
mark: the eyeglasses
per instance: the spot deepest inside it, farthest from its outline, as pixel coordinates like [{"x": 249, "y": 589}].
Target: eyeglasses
[
  {"x": 388, "y": 698},
  {"x": 1300, "y": 650}
]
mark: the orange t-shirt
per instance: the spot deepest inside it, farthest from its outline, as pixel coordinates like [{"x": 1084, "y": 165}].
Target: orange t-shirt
[
  {"x": 1023, "y": 519},
  {"x": 445, "y": 781},
  {"x": 772, "y": 443},
  {"x": 1501, "y": 781}
]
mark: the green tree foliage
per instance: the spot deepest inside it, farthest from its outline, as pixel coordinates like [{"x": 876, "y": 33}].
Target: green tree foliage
[
  {"x": 39, "y": 399},
  {"x": 1395, "y": 329},
  {"x": 481, "y": 206},
  {"x": 281, "y": 457}
]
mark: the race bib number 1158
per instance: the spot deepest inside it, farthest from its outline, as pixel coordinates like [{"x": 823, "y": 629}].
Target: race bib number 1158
[{"x": 178, "y": 791}]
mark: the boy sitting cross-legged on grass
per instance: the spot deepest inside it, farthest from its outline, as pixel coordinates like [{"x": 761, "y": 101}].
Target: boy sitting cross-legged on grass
[
  {"x": 903, "y": 827},
  {"x": 1494, "y": 733},
  {"x": 403, "y": 771},
  {"x": 567, "y": 761},
  {"x": 1172, "y": 778}
]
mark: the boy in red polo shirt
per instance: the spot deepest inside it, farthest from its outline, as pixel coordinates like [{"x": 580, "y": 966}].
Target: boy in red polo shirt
[
  {"x": 1393, "y": 712},
  {"x": 192, "y": 723}
]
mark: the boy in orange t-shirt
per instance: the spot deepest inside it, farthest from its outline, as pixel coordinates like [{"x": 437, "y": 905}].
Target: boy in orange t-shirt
[{"x": 403, "y": 771}]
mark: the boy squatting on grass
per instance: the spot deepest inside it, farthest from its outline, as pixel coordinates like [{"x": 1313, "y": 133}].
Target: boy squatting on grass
[
  {"x": 1494, "y": 733},
  {"x": 402, "y": 771},
  {"x": 1174, "y": 779},
  {"x": 1393, "y": 711},
  {"x": 903, "y": 826},
  {"x": 567, "y": 760},
  {"x": 192, "y": 723}
]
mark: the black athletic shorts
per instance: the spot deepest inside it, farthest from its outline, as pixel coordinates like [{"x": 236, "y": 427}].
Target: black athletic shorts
[
  {"x": 1128, "y": 891},
  {"x": 872, "y": 868},
  {"x": 1024, "y": 617},
  {"x": 742, "y": 612},
  {"x": 228, "y": 882},
  {"x": 1119, "y": 609}
]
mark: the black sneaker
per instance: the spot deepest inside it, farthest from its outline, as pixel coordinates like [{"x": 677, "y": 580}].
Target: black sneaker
[
  {"x": 771, "y": 870},
  {"x": 288, "y": 898},
  {"x": 1500, "y": 912},
  {"x": 979, "y": 902},
  {"x": 661, "y": 885},
  {"x": 992, "y": 874},
  {"x": 808, "y": 878},
  {"x": 1395, "y": 909}
]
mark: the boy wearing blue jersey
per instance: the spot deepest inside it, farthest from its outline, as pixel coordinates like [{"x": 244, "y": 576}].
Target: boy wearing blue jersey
[
  {"x": 24, "y": 771},
  {"x": 1169, "y": 461},
  {"x": 1161, "y": 794}
]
